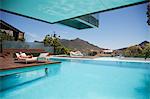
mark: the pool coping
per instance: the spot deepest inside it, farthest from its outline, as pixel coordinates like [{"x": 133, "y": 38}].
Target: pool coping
[
  {"x": 119, "y": 60},
  {"x": 28, "y": 65}
]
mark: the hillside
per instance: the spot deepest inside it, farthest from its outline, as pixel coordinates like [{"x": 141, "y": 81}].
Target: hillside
[
  {"x": 142, "y": 45},
  {"x": 79, "y": 44},
  {"x": 135, "y": 50}
]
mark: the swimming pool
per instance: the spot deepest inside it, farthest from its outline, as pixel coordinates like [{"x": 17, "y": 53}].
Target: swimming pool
[{"x": 81, "y": 79}]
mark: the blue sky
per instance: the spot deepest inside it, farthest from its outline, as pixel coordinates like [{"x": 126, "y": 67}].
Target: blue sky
[{"x": 118, "y": 28}]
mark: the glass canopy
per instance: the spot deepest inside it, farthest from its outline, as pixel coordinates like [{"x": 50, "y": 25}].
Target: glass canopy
[{"x": 58, "y": 10}]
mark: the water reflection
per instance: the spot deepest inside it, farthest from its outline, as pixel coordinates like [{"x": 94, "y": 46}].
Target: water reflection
[
  {"x": 143, "y": 91},
  {"x": 54, "y": 70},
  {"x": 10, "y": 81}
]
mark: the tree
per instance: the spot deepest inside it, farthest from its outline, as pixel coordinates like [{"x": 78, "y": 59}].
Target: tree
[
  {"x": 62, "y": 50},
  {"x": 92, "y": 53},
  {"x": 54, "y": 41},
  {"x": 146, "y": 51},
  {"x": 133, "y": 51}
]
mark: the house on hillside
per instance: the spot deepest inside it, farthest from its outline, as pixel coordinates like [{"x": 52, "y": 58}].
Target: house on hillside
[
  {"x": 107, "y": 53},
  {"x": 12, "y": 31}
]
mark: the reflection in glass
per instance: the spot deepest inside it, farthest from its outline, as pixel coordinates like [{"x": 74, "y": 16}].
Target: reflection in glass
[{"x": 10, "y": 81}]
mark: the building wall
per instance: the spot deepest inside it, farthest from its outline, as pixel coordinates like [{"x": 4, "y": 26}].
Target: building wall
[{"x": 21, "y": 35}]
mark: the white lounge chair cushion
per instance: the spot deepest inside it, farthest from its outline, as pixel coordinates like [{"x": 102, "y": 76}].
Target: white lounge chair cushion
[
  {"x": 18, "y": 55},
  {"x": 31, "y": 59}
]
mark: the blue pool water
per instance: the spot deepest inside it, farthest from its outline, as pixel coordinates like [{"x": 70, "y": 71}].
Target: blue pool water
[{"x": 80, "y": 79}]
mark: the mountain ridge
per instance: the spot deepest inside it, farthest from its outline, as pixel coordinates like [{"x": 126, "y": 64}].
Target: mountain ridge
[
  {"x": 79, "y": 44},
  {"x": 142, "y": 45}
]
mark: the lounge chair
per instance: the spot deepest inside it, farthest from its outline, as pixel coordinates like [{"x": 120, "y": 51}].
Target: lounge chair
[
  {"x": 44, "y": 56},
  {"x": 26, "y": 60},
  {"x": 76, "y": 54}
]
